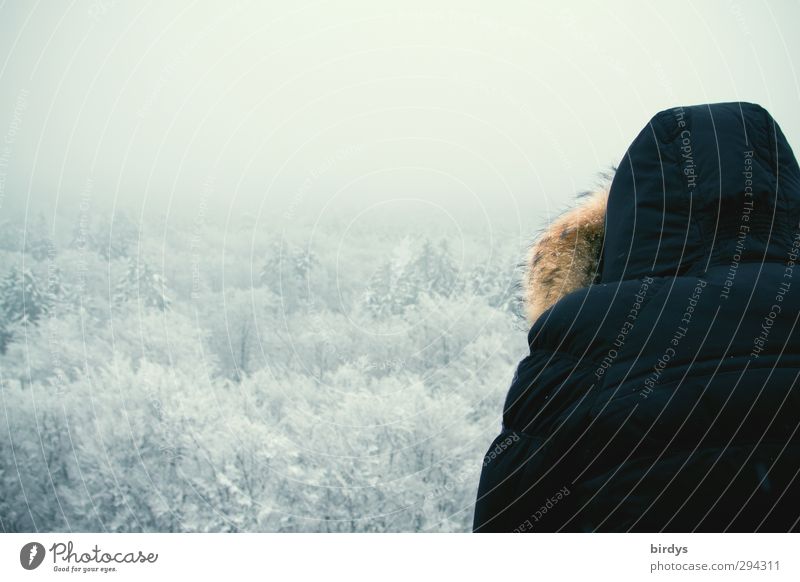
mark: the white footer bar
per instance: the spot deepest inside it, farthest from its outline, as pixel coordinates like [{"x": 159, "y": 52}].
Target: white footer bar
[{"x": 617, "y": 557}]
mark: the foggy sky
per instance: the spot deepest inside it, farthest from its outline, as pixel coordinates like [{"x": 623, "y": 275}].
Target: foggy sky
[{"x": 360, "y": 111}]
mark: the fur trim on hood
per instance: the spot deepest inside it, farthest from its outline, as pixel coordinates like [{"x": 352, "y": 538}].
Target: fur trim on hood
[{"x": 566, "y": 256}]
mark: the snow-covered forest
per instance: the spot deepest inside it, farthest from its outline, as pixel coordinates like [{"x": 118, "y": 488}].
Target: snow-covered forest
[{"x": 239, "y": 378}]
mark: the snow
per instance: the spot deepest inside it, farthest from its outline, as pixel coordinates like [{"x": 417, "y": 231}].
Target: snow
[{"x": 167, "y": 384}]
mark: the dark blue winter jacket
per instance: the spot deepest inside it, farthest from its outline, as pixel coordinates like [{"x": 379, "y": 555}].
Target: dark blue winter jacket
[{"x": 661, "y": 392}]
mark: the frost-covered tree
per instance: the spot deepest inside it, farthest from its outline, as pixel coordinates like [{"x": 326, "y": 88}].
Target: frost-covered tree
[
  {"x": 38, "y": 242},
  {"x": 379, "y": 296},
  {"x": 233, "y": 319},
  {"x": 498, "y": 283},
  {"x": 23, "y": 300},
  {"x": 353, "y": 389},
  {"x": 286, "y": 271},
  {"x": 410, "y": 272},
  {"x": 393, "y": 287},
  {"x": 118, "y": 238},
  {"x": 142, "y": 284},
  {"x": 10, "y": 236},
  {"x": 84, "y": 235},
  {"x": 434, "y": 270}
]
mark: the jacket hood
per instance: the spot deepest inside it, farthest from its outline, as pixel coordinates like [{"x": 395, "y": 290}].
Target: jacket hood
[{"x": 700, "y": 186}]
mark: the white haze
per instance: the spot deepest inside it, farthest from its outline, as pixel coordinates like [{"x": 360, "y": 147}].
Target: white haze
[{"x": 455, "y": 113}]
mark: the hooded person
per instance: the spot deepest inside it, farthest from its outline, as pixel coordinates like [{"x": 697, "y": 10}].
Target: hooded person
[{"x": 661, "y": 391}]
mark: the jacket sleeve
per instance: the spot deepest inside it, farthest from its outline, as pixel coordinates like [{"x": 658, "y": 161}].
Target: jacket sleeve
[{"x": 526, "y": 473}]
